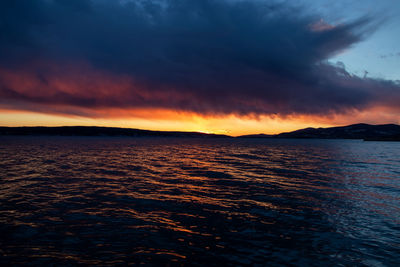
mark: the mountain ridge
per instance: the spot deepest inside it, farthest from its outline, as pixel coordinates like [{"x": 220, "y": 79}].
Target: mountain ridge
[
  {"x": 368, "y": 132},
  {"x": 99, "y": 131}
]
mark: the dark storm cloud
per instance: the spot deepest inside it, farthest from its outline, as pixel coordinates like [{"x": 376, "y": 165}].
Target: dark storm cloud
[{"x": 211, "y": 57}]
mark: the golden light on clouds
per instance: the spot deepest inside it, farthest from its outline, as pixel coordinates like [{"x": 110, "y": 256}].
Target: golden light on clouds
[{"x": 170, "y": 120}]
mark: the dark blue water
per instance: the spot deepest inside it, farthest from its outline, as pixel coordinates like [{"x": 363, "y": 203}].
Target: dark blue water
[{"x": 109, "y": 201}]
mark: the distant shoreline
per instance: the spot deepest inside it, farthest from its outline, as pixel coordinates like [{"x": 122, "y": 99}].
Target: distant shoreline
[
  {"x": 99, "y": 131},
  {"x": 366, "y": 132}
]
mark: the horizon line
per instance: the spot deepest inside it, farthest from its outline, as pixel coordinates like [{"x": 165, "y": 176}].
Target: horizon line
[{"x": 200, "y": 132}]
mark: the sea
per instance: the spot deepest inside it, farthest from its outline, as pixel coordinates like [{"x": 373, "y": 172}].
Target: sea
[{"x": 106, "y": 201}]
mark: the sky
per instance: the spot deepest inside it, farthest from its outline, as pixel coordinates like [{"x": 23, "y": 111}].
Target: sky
[{"x": 216, "y": 66}]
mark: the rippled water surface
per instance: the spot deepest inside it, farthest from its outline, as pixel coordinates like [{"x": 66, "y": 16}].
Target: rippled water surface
[{"x": 166, "y": 201}]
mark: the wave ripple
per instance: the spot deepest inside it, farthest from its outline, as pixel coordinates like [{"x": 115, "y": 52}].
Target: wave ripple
[{"x": 155, "y": 201}]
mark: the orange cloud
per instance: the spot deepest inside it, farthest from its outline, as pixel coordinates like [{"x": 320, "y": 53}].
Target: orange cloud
[
  {"x": 170, "y": 120},
  {"x": 78, "y": 94}
]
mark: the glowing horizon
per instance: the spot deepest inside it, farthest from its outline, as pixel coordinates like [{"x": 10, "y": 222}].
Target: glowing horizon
[{"x": 229, "y": 125}]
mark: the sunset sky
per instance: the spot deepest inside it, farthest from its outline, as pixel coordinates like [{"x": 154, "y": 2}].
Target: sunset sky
[{"x": 218, "y": 66}]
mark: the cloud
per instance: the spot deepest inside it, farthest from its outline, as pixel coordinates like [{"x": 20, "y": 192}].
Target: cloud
[{"x": 209, "y": 57}]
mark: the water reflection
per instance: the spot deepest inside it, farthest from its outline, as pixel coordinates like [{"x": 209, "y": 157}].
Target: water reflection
[{"x": 107, "y": 201}]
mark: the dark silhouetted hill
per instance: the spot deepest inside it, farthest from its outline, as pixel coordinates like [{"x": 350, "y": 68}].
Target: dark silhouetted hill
[
  {"x": 385, "y": 132},
  {"x": 258, "y": 136},
  {"x": 99, "y": 131}
]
